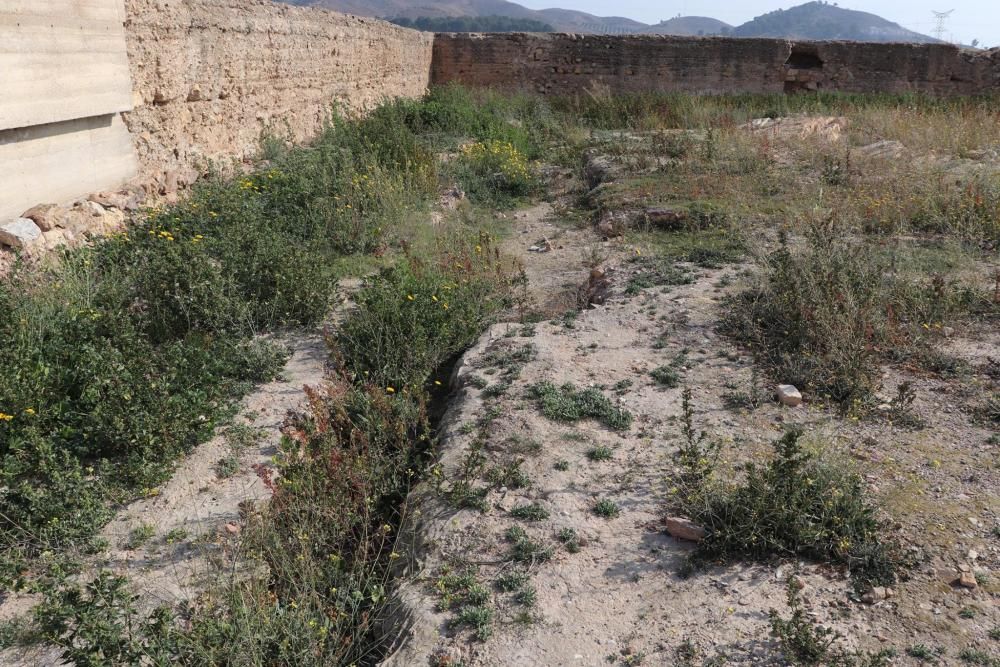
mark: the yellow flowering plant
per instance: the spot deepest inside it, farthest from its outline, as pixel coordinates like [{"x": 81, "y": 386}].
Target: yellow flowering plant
[{"x": 496, "y": 173}]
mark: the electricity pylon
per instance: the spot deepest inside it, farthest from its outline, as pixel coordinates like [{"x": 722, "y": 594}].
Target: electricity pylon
[{"x": 939, "y": 29}]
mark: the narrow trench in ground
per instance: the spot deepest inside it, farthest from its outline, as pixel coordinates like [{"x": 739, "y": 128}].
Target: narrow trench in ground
[{"x": 383, "y": 638}]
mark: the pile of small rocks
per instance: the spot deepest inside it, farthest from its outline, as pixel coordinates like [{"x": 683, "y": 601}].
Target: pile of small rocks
[{"x": 48, "y": 226}]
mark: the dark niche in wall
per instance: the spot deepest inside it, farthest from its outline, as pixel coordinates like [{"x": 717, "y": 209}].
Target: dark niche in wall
[{"x": 803, "y": 70}]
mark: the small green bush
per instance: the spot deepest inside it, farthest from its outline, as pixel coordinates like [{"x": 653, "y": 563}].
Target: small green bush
[
  {"x": 567, "y": 403},
  {"x": 666, "y": 376},
  {"x": 512, "y": 581},
  {"x": 826, "y": 317},
  {"x": 796, "y": 505},
  {"x": 607, "y": 509},
  {"x": 805, "y": 643},
  {"x": 524, "y": 549},
  {"x": 656, "y": 272},
  {"x": 532, "y": 512},
  {"x": 417, "y": 315},
  {"x": 600, "y": 453}
]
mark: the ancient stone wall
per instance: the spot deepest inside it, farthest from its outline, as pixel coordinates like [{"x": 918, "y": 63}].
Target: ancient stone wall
[
  {"x": 211, "y": 75},
  {"x": 568, "y": 64}
]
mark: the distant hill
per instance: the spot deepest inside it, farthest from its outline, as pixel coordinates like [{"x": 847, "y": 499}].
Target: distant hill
[
  {"x": 813, "y": 20},
  {"x": 692, "y": 26},
  {"x": 562, "y": 20},
  {"x": 472, "y": 24},
  {"x": 819, "y": 20},
  {"x": 569, "y": 20}
]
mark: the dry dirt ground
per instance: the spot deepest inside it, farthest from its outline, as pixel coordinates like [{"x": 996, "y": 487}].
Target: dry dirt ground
[{"x": 622, "y": 599}]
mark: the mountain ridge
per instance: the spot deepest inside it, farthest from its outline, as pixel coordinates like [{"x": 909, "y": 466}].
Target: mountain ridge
[{"x": 815, "y": 20}]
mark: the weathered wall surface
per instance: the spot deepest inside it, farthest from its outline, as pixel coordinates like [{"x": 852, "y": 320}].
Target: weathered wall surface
[
  {"x": 566, "y": 64},
  {"x": 64, "y": 77},
  {"x": 210, "y": 75}
]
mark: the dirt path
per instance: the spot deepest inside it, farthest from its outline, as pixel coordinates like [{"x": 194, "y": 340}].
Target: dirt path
[
  {"x": 198, "y": 507},
  {"x": 622, "y": 597}
]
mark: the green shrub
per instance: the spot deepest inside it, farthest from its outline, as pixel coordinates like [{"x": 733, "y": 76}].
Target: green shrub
[
  {"x": 569, "y": 404},
  {"x": 532, "y": 512},
  {"x": 666, "y": 376},
  {"x": 450, "y": 113},
  {"x": 524, "y": 549},
  {"x": 654, "y": 272},
  {"x": 796, "y": 505},
  {"x": 804, "y": 642},
  {"x": 417, "y": 315},
  {"x": 825, "y": 318},
  {"x": 607, "y": 509},
  {"x": 600, "y": 453},
  {"x": 99, "y": 625},
  {"x": 495, "y": 173}
]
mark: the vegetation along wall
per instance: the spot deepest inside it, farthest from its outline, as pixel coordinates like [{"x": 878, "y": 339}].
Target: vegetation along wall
[
  {"x": 97, "y": 92},
  {"x": 567, "y": 64}
]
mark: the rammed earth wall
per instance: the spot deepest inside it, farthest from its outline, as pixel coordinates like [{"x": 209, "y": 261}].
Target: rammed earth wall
[
  {"x": 211, "y": 75},
  {"x": 567, "y": 64}
]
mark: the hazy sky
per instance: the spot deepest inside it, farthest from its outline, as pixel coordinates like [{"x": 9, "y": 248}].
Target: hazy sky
[{"x": 972, "y": 19}]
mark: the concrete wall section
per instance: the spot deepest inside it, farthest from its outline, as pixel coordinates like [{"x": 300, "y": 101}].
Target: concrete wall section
[
  {"x": 567, "y": 64},
  {"x": 211, "y": 75},
  {"x": 60, "y": 162},
  {"x": 60, "y": 60}
]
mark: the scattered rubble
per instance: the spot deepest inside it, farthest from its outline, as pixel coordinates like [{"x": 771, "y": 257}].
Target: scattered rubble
[
  {"x": 21, "y": 233},
  {"x": 788, "y": 395},
  {"x": 684, "y": 529}
]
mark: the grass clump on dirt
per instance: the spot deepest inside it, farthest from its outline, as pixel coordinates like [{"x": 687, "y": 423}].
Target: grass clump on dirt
[
  {"x": 606, "y": 509},
  {"x": 600, "y": 453},
  {"x": 470, "y": 600},
  {"x": 666, "y": 376},
  {"x": 525, "y": 549},
  {"x": 532, "y": 512},
  {"x": 654, "y": 273},
  {"x": 569, "y": 404}
]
